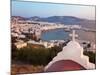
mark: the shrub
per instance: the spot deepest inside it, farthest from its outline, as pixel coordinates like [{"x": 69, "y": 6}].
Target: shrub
[
  {"x": 92, "y": 56},
  {"x": 36, "y": 56}
]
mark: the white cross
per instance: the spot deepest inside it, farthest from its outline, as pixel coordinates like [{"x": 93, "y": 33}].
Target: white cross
[{"x": 73, "y": 35}]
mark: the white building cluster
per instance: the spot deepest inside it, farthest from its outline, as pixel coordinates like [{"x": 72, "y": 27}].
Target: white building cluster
[
  {"x": 27, "y": 26},
  {"x": 21, "y": 28}
]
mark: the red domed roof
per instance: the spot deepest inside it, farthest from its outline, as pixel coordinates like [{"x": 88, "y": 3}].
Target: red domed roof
[{"x": 64, "y": 65}]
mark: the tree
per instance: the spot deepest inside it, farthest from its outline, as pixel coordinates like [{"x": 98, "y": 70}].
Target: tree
[
  {"x": 36, "y": 56},
  {"x": 91, "y": 55}
]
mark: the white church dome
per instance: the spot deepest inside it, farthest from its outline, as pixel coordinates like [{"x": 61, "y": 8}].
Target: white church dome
[
  {"x": 73, "y": 48},
  {"x": 73, "y": 51}
]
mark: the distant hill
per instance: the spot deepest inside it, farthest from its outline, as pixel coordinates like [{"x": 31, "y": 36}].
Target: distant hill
[
  {"x": 68, "y": 20},
  {"x": 59, "y": 19},
  {"x": 62, "y": 19}
]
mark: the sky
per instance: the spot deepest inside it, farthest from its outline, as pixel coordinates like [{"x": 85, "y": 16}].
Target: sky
[{"x": 30, "y": 9}]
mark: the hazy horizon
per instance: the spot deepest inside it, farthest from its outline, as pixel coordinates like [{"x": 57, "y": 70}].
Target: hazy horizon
[{"x": 30, "y": 9}]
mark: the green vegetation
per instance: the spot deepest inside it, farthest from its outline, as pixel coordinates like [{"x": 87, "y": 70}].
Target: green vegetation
[
  {"x": 41, "y": 55},
  {"x": 92, "y": 56},
  {"x": 35, "y": 56}
]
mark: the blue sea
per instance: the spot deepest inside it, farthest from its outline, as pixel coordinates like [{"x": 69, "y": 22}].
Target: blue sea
[
  {"x": 57, "y": 34},
  {"x": 60, "y": 34}
]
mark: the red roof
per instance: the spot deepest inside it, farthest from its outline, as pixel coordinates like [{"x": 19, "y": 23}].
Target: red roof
[{"x": 64, "y": 65}]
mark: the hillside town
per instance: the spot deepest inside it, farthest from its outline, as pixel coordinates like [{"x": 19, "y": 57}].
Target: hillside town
[{"x": 29, "y": 32}]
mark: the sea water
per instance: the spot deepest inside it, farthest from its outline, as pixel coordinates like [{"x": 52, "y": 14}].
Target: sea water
[{"x": 56, "y": 34}]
